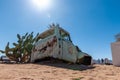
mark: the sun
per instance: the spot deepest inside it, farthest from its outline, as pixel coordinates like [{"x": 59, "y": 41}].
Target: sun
[{"x": 42, "y": 4}]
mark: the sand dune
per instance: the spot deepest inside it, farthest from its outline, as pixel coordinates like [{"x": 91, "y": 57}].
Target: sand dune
[{"x": 58, "y": 71}]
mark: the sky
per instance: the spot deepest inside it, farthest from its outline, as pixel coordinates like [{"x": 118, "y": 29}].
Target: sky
[{"x": 92, "y": 24}]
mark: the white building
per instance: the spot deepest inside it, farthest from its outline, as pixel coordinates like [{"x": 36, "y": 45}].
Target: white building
[{"x": 115, "y": 47}]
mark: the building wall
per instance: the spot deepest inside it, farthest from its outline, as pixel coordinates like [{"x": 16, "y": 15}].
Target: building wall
[{"x": 115, "y": 47}]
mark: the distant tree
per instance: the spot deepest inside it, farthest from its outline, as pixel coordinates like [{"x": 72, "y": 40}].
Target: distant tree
[
  {"x": 21, "y": 52},
  {"x": 117, "y": 36}
]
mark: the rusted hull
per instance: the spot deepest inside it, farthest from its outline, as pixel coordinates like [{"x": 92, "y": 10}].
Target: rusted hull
[{"x": 58, "y": 45}]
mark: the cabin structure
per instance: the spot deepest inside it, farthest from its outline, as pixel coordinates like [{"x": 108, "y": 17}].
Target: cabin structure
[{"x": 56, "y": 43}]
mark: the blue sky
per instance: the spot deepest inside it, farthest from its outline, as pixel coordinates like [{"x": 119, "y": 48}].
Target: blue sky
[{"x": 91, "y": 23}]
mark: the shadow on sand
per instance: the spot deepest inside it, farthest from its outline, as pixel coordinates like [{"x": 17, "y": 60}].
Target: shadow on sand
[{"x": 63, "y": 64}]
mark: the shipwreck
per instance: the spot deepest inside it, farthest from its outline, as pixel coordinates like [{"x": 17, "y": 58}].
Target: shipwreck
[{"x": 56, "y": 43}]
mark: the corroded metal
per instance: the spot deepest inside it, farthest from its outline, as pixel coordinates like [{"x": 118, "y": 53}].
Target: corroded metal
[{"x": 56, "y": 43}]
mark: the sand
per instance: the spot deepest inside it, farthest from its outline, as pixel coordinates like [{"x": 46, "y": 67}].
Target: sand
[{"x": 58, "y": 71}]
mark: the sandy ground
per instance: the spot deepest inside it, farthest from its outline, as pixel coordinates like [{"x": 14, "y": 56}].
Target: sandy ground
[{"x": 58, "y": 71}]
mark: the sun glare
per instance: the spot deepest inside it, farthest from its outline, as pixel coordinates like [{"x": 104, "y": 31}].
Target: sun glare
[{"x": 42, "y": 4}]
